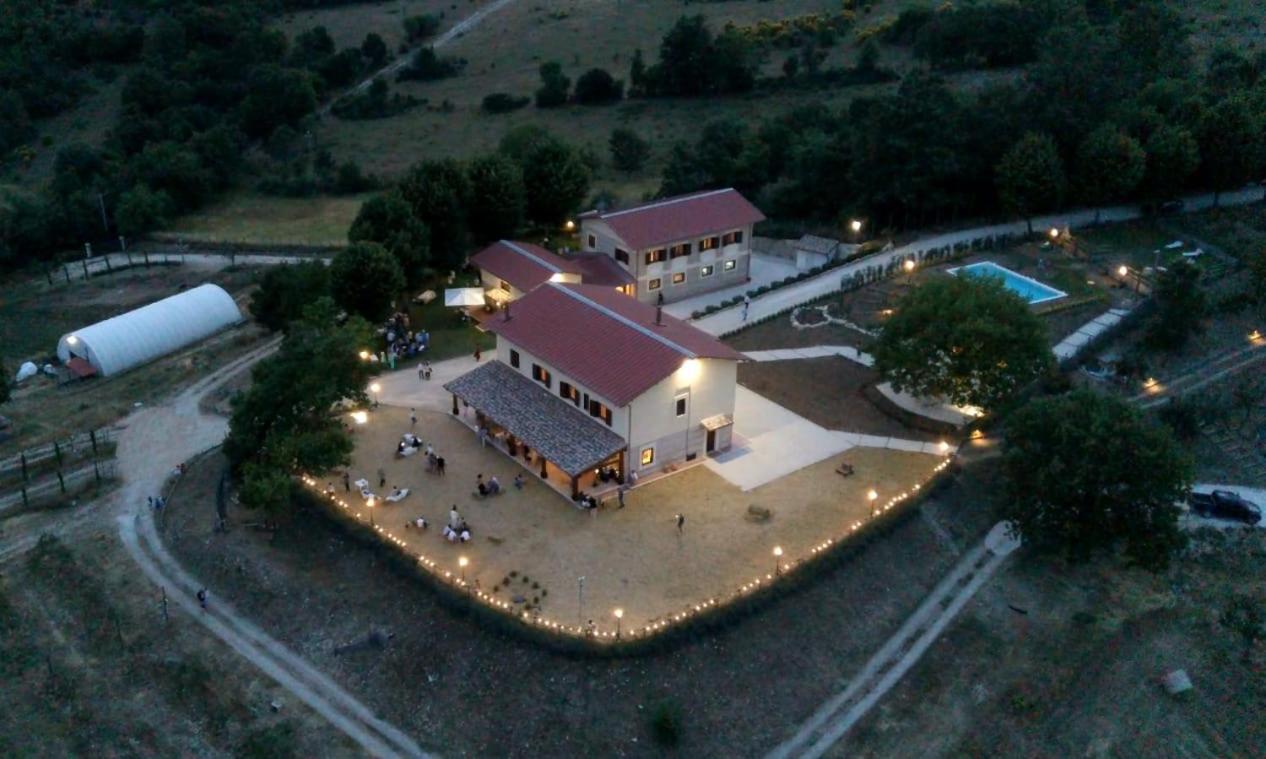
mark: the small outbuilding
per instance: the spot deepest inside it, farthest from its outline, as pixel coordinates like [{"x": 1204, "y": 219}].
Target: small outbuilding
[{"x": 149, "y": 332}]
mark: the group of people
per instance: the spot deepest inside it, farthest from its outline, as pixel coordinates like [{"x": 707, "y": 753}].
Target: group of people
[
  {"x": 456, "y": 531},
  {"x": 490, "y": 487},
  {"x": 400, "y": 341}
]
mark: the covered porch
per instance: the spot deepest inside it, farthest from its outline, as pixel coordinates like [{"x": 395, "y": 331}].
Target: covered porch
[{"x": 565, "y": 448}]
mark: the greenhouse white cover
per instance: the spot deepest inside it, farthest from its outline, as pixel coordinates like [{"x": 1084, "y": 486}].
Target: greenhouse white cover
[{"x": 127, "y": 340}]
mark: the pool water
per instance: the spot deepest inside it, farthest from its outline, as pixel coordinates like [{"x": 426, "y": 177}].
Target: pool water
[{"x": 1030, "y": 289}]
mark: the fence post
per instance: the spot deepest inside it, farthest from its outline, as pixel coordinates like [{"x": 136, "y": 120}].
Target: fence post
[
  {"x": 24, "y": 475},
  {"x": 61, "y": 481},
  {"x": 107, "y": 263},
  {"x": 26, "y": 501},
  {"x": 146, "y": 253},
  {"x": 66, "y": 271},
  {"x": 85, "y": 265},
  {"x": 48, "y": 274},
  {"x": 92, "y": 435},
  {"x": 57, "y": 453},
  {"x": 96, "y": 471}
]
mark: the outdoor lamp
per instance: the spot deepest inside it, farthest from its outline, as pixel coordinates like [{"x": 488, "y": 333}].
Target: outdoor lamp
[
  {"x": 909, "y": 265},
  {"x": 619, "y": 615},
  {"x": 1054, "y": 233},
  {"x": 1123, "y": 270},
  {"x": 855, "y": 225},
  {"x": 364, "y": 355},
  {"x": 360, "y": 417},
  {"x": 570, "y": 225}
]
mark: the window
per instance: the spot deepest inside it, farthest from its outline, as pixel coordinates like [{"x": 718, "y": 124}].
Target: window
[
  {"x": 709, "y": 243},
  {"x": 505, "y": 285},
  {"x": 679, "y": 278},
  {"x": 568, "y": 391},
  {"x": 593, "y": 242},
  {"x": 622, "y": 256},
  {"x": 677, "y": 251},
  {"x": 679, "y": 405},
  {"x": 648, "y": 455},
  {"x": 653, "y": 284},
  {"x": 706, "y": 271},
  {"x": 732, "y": 237},
  {"x": 655, "y": 256},
  {"x": 599, "y": 409},
  {"x": 514, "y": 358},
  {"x": 729, "y": 265},
  {"x": 541, "y": 375}
]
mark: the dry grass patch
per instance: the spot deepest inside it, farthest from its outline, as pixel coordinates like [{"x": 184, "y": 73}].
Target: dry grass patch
[{"x": 266, "y": 220}]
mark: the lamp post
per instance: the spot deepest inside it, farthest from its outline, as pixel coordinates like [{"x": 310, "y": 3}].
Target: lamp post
[
  {"x": 364, "y": 355},
  {"x": 462, "y": 561},
  {"x": 909, "y": 267},
  {"x": 777, "y": 560},
  {"x": 369, "y": 503},
  {"x": 375, "y": 388},
  {"x": 580, "y": 600},
  {"x": 619, "y": 615},
  {"x": 872, "y": 496},
  {"x": 855, "y": 226}
]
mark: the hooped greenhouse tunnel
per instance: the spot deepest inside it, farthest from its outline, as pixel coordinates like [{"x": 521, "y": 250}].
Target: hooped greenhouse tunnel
[{"x": 149, "y": 332}]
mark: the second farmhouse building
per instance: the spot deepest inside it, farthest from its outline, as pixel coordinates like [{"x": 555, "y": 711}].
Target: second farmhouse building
[
  {"x": 586, "y": 379},
  {"x": 677, "y": 247}
]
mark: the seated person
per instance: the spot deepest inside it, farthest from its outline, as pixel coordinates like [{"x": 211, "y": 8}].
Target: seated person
[
  {"x": 483, "y": 489},
  {"x": 494, "y": 487},
  {"x": 417, "y": 523},
  {"x": 519, "y": 481}
]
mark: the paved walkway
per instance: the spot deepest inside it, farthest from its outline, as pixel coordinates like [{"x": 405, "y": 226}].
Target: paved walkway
[
  {"x": 813, "y": 351},
  {"x": 771, "y": 441},
  {"x": 1072, "y": 345},
  {"x": 731, "y": 319},
  {"x": 828, "y": 725},
  {"x": 765, "y": 269}
]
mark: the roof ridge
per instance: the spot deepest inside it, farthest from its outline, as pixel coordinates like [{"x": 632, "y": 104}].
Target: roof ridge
[
  {"x": 536, "y": 259},
  {"x": 624, "y": 320},
  {"x": 666, "y": 202}
]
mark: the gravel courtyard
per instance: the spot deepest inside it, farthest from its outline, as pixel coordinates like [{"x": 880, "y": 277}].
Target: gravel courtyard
[{"x": 631, "y": 558}]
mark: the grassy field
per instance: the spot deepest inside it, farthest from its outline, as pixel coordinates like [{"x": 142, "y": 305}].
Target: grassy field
[
  {"x": 33, "y": 317},
  {"x": 1056, "y": 660},
  {"x": 80, "y": 631},
  {"x": 248, "y": 217}
]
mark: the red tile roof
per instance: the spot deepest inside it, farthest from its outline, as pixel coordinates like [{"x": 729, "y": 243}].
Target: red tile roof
[
  {"x": 680, "y": 218},
  {"x": 522, "y": 264},
  {"x": 526, "y": 266},
  {"x": 607, "y": 341}
]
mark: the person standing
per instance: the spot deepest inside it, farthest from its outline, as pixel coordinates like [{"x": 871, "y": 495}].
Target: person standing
[
  {"x": 681, "y": 521},
  {"x": 619, "y": 494},
  {"x": 428, "y": 370},
  {"x": 347, "y": 482},
  {"x": 747, "y": 303},
  {"x": 382, "y": 478},
  {"x": 413, "y": 417},
  {"x": 421, "y": 372},
  {"x": 478, "y": 354},
  {"x": 202, "y": 598}
]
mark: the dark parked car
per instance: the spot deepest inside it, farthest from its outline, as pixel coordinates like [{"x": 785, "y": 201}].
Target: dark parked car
[{"x": 1224, "y": 504}]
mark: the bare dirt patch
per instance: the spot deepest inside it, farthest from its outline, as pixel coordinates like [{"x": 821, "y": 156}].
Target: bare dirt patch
[
  {"x": 827, "y": 391},
  {"x": 738, "y": 690}
]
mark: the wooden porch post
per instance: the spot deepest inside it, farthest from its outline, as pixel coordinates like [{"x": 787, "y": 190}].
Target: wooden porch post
[
  {"x": 455, "y": 412},
  {"x": 544, "y": 474},
  {"x": 575, "y": 486}
]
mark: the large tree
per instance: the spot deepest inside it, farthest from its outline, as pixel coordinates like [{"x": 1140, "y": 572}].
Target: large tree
[
  {"x": 497, "y": 198},
  {"x": 966, "y": 339},
  {"x": 1110, "y": 165},
  {"x": 556, "y": 179},
  {"x": 1232, "y": 145},
  {"x": 365, "y": 280},
  {"x": 1173, "y": 155},
  {"x": 1030, "y": 177},
  {"x": 1181, "y": 303},
  {"x": 388, "y": 220},
  {"x": 628, "y": 151},
  {"x": 285, "y": 424},
  {"x": 1086, "y": 472},
  {"x": 437, "y": 192},
  {"x": 285, "y": 291}
]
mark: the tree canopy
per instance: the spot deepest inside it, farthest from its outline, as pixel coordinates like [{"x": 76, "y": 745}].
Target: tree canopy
[
  {"x": 388, "y": 220},
  {"x": 967, "y": 339},
  {"x": 285, "y": 424},
  {"x": 1181, "y": 304},
  {"x": 437, "y": 192},
  {"x": 497, "y": 198},
  {"x": 628, "y": 151},
  {"x": 1031, "y": 176},
  {"x": 285, "y": 291},
  {"x": 1110, "y": 165},
  {"x": 366, "y": 279},
  {"x": 1086, "y": 473}
]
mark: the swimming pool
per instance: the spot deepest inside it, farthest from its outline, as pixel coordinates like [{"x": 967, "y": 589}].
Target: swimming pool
[{"x": 1030, "y": 289}]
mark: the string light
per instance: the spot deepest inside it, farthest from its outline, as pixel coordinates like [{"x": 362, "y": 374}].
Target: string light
[{"x": 655, "y": 625}]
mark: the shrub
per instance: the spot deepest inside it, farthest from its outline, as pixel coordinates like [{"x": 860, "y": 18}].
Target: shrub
[
  {"x": 628, "y": 151},
  {"x": 427, "y": 66},
  {"x": 421, "y": 27},
  {"x": 598, "y": 87},
  {"x": 666, "y": 724},
  {"x": 554, "y": 86},
  {"x": 503, "y": 102}
]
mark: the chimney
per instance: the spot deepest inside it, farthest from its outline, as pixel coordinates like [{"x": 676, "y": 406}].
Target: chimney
[{"x": 659, "y": 316}]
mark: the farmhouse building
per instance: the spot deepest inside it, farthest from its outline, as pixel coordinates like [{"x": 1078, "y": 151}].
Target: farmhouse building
[
  {"x": 587, "y": 379},
  {"x": 509, "y": 269},
  {"x": 677, "y": 247}
]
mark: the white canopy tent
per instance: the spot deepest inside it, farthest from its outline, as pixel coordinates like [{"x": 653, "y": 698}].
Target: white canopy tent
[
  {"x": 460, "y": 297},
  {"x": 127, "y": 340}
]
